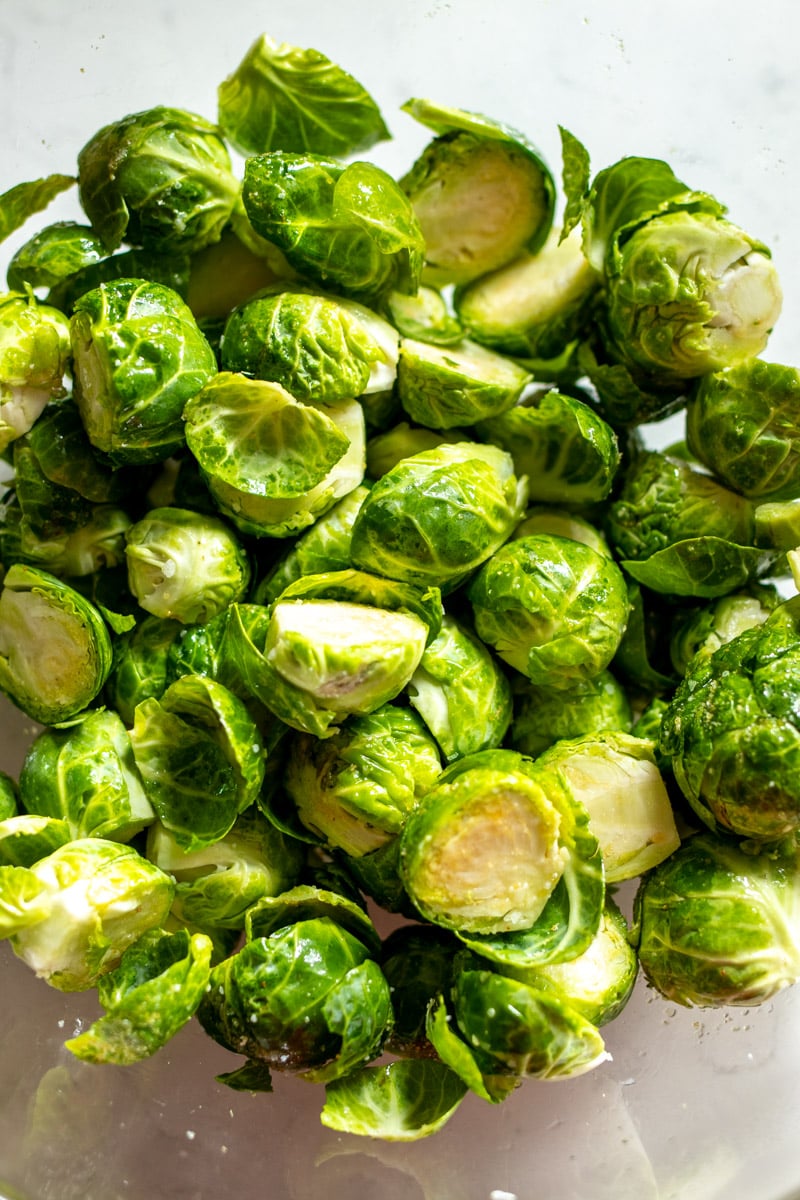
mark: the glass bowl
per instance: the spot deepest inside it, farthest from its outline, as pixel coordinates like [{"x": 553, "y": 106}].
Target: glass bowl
[{"x": 694, "y": 1104}]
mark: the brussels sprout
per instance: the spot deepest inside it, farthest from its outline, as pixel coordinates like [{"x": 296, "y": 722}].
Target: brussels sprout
[
  {"x": 347, "y": 227},
  {"x": 691, "y": 293},
  {"x": 569, "y": 454},
  {"x": 273, "y": 464},
  {"x": 52, "y": 254},
  {"x": 418, "y": 962},
  {"x": 185, "y": 565},
  {"x": 55, "y": 649},
  {"x": 400, "y": 1101},
  {"x": 626, "y": 397},
  {"x": 461, "y": 693},
  {"x": 552, "y": 608},
  {"x": 355, "y": 789},
  {"x": 66, "y": 457},
  {"x": 217, "y": 884},
  {"x": 642, "y": 659},
  {"x": 354, "y": 658},
  {"x": 332, "y": 644},
  {"x": 599, "y": 982},
  {"x": 731, "y": 731},
  {"x": 55, "y": 528},
  {"x": 448, "y": 386},
  {"x": 481, "y": 192},
  {"x": 312, "y": 901},
  {"x": 425, "y": 316},
  {"x": 702, "y": 629},
  {"x": 161, "y": 179},
  {"x": 171, "y": 271},
  {"x": 387, "y": 448},
  {"x": 86, "y": 775},
  {"x": 615, "y": 777},
  {"x": 27, "y": 837},
  {"x": 435, "y": 517},
  {"x": 539, "y": 518},
  {"x": 717, "y": 926},
  {"x": 139, "y": 356},
  {"x": 34, "y": 356},
  {"x": 201, "y": 758},
  {"x": 533, "y": 307},
  {"x": 281, "y": 97},
  {"x": 485, "y": 810},
  {"x": 307, "y": 999},
  {"x": 503, "y": 1031},
  {"x": 314, "y": 345},
  {"x": 72, "y": 914},
  {"x": 8, "y": 796},
  {"x": 543, "y": 716},
  {"x": 324, "y": 546},
  {"x": 141, "y": 665},
  {"x": 152, "y": 993},
  {"x": 744, "y": 424},
  {"x": 680, "y": 532}
]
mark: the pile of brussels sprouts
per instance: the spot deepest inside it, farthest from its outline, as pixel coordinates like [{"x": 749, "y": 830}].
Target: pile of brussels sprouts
[{"x": 339, "y": 575}]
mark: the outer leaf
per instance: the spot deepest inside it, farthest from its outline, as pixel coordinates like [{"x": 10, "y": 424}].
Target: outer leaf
[
  {"x": 25, "y": 199},
  {"x": 399, "y": 1102},
  {"x": 154, "y": 991},
  {"x": 281, "y": 97},
  {"x": 702, "y": 566},
  {"x": 575, "y": 177}
]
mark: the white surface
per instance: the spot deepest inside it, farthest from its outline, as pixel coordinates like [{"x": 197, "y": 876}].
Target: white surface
[{"x": 694, "y": 1105}]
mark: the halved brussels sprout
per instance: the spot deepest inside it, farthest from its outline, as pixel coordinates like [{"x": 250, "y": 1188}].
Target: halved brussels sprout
[
  {"x": 691, "y": 293},
  {"x": 599, "y": 982},
  {"x": 732, "y": 735},
  {"x": 216, "y": 885},
  {"x": 678, "y": 531},
  {"x": 533, "y": 307},
  {"x": 72, "y": 914},
  {"x": 332, "y": 644},
  {"x": 424, "y": 316},
  {"x": 702, "y": 629},
  {"x": 55, "y": 648},
  {"x": 615, "y": 777},
  {"x": 307, "y": 999},
  {"x": 34, "y": 356},
  {"x": 273, "y": 464},
  {"x": 482, "y": 851},
  {"x": 444, "y": 387},
  {"x": 184, "y": 565},
  {"x": 355, "y": 790},
  {"x": 481, "y": 192}
]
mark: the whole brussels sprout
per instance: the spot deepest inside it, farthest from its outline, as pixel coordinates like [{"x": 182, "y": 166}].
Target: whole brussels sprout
[
  {"x": 436, "y": 516},
  {"x": 552, "y": 608},
  {"x": 161, "y": 179},
  {"x": 732, "y": 735}
]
